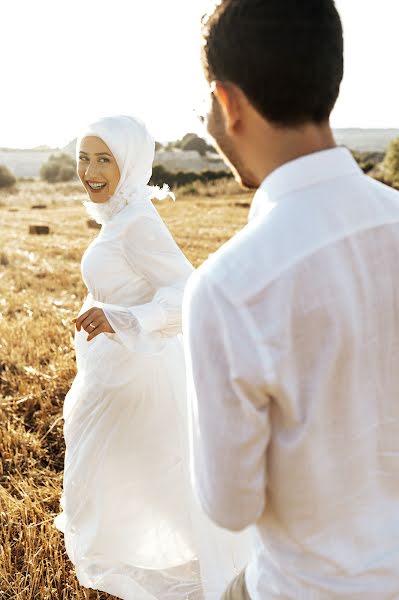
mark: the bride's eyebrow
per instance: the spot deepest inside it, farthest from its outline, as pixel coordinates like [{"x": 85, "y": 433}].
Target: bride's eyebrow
[{"x": 96, "y": 154}]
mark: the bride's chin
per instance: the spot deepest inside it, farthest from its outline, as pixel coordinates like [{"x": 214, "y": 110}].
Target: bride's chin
[{"x": 98, "y": 199}]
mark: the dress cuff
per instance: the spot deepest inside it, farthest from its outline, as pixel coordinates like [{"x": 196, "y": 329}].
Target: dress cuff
[
  {"x": 151, "y": 316},
  {"x": 143, "y": 318}
]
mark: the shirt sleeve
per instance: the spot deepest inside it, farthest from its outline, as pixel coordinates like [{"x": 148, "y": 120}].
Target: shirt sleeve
[
  {"x": 151, "y": 251},
  {"x": 229, "y": 407}
]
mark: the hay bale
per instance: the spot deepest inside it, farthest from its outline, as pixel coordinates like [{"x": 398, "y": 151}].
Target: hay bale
[
  {"x": 39, "y": 229},
  {"x": 92, "y": 224},
  {"x": 39, "y": 206}
]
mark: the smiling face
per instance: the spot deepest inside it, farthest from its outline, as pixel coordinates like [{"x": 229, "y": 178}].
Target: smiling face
[{"x": 97, "y": 169}]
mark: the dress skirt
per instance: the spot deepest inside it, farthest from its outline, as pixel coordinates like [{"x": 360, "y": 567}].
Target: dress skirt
[{"x": 132, "y": 527}]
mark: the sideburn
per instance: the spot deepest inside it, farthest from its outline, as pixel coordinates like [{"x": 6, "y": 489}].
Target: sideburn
[{"x": 217, "y": 129}]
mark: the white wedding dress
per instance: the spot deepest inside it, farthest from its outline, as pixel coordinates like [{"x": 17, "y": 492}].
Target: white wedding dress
[{"x": 131, "y": 524}]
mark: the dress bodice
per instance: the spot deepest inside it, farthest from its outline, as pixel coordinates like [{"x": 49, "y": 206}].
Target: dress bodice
[
  {"x": 108, "y": 275},
  {"x": 136, "y": 273}
]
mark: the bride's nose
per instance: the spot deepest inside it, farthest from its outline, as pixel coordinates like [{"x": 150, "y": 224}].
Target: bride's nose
[{"x": 91, "y": 170}]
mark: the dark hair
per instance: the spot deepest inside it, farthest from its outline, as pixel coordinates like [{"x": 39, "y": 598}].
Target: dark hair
[{"x": 285, "y": 55}]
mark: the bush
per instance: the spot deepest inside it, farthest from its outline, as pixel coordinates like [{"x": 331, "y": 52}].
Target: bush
[
  {"x": 7, "y": 177},
  {"x": 59, "y": 167},
  {"x": 160, "y": 175},
  {"x": 368, "y": 161},
  {"x": 67, "y": 173},
  {"x": 391, "y": 163}
]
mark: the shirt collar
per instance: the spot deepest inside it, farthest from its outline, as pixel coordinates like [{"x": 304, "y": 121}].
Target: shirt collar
[{"x": 301, "y": 173}]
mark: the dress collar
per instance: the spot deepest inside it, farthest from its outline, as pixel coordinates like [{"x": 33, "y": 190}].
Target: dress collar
[{"x": 302, "y": 173}]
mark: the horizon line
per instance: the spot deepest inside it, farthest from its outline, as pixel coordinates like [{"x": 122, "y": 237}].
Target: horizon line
[{"x": 46, "y": 147}]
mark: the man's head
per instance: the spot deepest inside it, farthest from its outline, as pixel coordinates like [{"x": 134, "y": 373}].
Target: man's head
[{"x": 276, "y": 62}]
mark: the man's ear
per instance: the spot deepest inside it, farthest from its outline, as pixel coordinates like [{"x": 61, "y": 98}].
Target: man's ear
[{"x": 227, "y": 94}]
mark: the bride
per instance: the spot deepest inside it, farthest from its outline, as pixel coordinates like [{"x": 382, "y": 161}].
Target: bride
[{"x": 131, "y": 525}]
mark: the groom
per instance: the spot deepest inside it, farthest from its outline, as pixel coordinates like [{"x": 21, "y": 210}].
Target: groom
[{"x": 293, "y": 326}]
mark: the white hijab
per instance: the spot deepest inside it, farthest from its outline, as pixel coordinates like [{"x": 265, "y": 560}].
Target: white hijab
[{"x": 134, "y": 150}]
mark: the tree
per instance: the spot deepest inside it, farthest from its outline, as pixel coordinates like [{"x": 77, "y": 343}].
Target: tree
[
  {"x": 194, "y": 142},
  {"x": 59, "y": 167},
  {"x": 190, "y": 141},
  {"x": 391, "y": 163},
  {"x": 7, "y": 177}
]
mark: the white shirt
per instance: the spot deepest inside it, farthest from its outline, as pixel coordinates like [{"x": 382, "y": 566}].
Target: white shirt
[{"x": 293, "y": 358}]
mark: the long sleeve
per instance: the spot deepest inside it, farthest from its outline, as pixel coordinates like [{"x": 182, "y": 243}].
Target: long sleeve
[
  {"x": 229, "y": 406},
  {"x": 151, "y": 251}
]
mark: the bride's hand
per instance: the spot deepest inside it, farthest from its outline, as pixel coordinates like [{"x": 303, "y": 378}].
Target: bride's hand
[{"x": 94, "y": 322}]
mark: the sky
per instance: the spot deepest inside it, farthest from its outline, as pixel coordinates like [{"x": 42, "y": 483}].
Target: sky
[{"x": 67, "y": 62}]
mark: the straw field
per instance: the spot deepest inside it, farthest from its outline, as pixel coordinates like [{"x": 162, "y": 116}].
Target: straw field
[{"x": 40, "y": 291}]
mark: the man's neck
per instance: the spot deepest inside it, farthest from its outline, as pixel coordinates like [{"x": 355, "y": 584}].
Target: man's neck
[{"x": 278, "y": 146}]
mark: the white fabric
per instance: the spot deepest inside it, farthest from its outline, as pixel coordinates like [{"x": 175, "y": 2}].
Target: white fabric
[
  {"x": 131, "y": 524},
  {"x": 293, "y": 351},
  {"x": 103, "y": 212}
]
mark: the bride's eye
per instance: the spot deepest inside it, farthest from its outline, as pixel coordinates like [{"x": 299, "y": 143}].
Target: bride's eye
[
  {"x": 82, "y": 157},
  {"x": 103, "y": 159}
]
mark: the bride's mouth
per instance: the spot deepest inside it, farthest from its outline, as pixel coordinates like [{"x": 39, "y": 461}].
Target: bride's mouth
[{"x": 95, "y": 186}]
